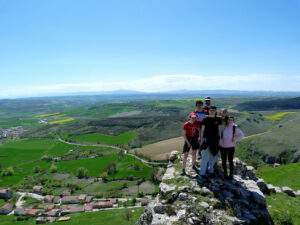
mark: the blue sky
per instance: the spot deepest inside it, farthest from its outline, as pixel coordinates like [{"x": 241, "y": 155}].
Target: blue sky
[{"x": 59, "y": 46}]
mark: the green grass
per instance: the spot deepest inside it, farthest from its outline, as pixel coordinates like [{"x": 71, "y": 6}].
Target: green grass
[
  {"x": 30, "y": 201},
  {"x": 125, "y": 169},
  {"x": 282, "y": 206},
  {"x": 122, "y": 139},
  {"x": 285, "y": 175},
  {"x": 107, "y": 217},
  {"x": 2, "y": 202},
  {"x": 94, "y": 166},
  {"x": 107, "y": 186},
  {"x": 21, "y": 151}
]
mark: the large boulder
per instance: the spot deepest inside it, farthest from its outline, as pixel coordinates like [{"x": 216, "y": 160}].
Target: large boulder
[
  {"x": 173, "y": 156},
  {"x": 289, "y": 191},
  {"x": 263, "y": 186},
  {"x": 165, "y": 189}
]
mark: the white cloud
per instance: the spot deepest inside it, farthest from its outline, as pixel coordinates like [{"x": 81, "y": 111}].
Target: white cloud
[{"x": 163, "y": 83}]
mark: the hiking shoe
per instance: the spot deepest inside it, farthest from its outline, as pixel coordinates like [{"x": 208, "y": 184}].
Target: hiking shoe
[
  {"x": 182, "y": 172},
  {"x": 194, "y": 167}
]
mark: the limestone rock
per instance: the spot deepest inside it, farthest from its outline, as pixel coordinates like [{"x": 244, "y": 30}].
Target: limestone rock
[
  {"x": 183, "y": 196},
  {"x": 271, "y": 188},
  {"x": 165, "y": 189},
  {"x": 263, "y": 186},
  {"x": 159, "y": 208},
  {"x": 173, "y": 156},
  {"x": 289, "y": 191},
  {"x": 169, "y": 174}
]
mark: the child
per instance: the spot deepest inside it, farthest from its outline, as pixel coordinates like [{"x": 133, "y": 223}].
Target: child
[{"x": 191, "y": 131}]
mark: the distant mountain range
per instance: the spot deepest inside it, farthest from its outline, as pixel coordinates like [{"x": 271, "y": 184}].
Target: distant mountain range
[{"x": 191, "y": 93}]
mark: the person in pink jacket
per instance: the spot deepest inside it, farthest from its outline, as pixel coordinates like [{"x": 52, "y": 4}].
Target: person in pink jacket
[{"x": 231, "y": 134}]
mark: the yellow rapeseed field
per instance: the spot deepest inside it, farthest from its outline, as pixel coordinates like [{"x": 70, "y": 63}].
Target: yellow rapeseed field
[
  {"x": 278, "y": 116},
  {"x": 45, "y": 115},
  {"x": 194, "y": 99},
  {"x": 62, "y": 121}
]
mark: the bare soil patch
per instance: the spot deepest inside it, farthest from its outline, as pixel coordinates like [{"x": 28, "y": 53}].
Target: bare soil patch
[
  {"x": 161, "y": 149},
  {"x": 125, "y": 114}
]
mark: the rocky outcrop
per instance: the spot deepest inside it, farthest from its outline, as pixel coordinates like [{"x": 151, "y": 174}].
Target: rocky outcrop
[{"x": 184, "y": 200}]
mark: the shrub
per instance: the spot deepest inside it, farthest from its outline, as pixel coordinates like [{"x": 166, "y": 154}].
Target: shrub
[
  {"x": 8, "y": 172},
  {"x": 37, "y": 169},
  {"x": 141, "y": 194},
  {"x": 47, "y": 157},
  {"x": 53, "y": 169},
  {"x": 82, "y": 173},
  {"x": 128, "y": 214},
  {"x": 103, "y": 175}
]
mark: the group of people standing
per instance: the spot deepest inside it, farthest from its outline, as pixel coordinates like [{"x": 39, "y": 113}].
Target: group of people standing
[{"x": 208, "y": 134}]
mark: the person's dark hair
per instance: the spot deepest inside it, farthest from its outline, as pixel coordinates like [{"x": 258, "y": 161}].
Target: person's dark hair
[
  {"x": 199, "y": 102},
  {"x": 227, "y": 119},
  {"x": 213, "y": 107}
]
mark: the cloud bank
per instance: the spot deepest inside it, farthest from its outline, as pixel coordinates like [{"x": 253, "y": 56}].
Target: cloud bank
[{"x": 162, "y": 83}]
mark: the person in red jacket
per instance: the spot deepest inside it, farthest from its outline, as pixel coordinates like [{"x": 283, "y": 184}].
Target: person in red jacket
[{"x": 191, "y": 132}]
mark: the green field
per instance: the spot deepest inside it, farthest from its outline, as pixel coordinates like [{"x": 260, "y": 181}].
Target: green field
[
  {"x": 20, "y": 151},
  {"x": 94, "y": 166},
  {"x": 284, "y": 208},
  {"x": 107, "y": 217},
  {"x": 125, "y": 169},
  {"x": 285, "y": 175},
  {"x": 122, "y": 139}
]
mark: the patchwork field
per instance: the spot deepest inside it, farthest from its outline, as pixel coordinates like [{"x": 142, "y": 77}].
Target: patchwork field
[{"x": 160, "y": 150}]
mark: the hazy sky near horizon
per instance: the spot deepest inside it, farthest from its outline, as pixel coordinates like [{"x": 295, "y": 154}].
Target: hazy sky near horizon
[{"x": 63, "y": 46}]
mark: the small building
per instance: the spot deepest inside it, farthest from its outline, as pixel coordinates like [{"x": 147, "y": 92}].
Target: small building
[
  {"x": 53, "y": 213},
  {"x": 82, "y": 197},
  {"x": 49, "y": 198},
  {"x": 103, "y": 205},
  {"x": 70, "y": 200},
  {"x": 65, "y": 193},
  {"x": 56, "y": 200},
  {"x": 63, "y": 219},
  {"x": 48, "y": 208},
  {"x": 89, "y": 199},
  {"x": 6, "y": 209},
  {"x": 41, "y": 220},
  {"x": 73, "y": 209},
  {"x": 38, "y": 189},
  {"x": 18, "y": 211},
  {"x": 32, "y": 212},
  {"x": 88, "y": 208},
  {"x": 5, "y": 193}
]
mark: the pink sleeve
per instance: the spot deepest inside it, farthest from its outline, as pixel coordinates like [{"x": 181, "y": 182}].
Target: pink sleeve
[{"x": 239, "y": 135}]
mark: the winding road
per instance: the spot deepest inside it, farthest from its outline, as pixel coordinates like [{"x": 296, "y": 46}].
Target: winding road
[{"x": 115, "y": 147}]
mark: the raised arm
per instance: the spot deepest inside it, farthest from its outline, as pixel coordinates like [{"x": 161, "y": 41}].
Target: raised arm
[{"x": 239, "y": 135}]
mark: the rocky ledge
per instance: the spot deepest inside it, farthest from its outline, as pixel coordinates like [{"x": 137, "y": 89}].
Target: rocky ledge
[{"x": 184, "y": 200}]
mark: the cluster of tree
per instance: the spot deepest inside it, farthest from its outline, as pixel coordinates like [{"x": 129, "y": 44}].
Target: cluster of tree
[
  {"x": 9, "y": 171},
  {"x": 82, "y": 173}
]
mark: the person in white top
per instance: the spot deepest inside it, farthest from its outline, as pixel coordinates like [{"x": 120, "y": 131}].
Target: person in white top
[{"x": 230, "y": 134}]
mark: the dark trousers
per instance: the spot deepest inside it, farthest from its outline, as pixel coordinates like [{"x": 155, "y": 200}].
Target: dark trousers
[{"x": 227, "y": 153}]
